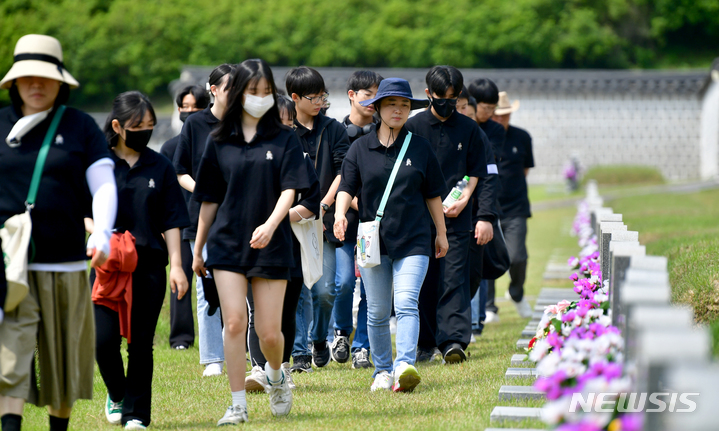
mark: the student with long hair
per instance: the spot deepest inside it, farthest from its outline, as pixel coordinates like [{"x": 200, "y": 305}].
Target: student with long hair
[
  {"x": 247, "y": 179},
  {"x": 187, "y": 162},
  {"x": 152, "y": 209}
]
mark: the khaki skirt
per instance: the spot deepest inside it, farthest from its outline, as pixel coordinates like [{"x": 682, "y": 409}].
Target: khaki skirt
[{"x": 57, "y": 317}]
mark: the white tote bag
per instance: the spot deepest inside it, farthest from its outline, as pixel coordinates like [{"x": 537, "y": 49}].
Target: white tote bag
[
  {"x": 309, "y": 235},
  {"x": 368, "y": 249},
  {"x": 15, "y": 243}
]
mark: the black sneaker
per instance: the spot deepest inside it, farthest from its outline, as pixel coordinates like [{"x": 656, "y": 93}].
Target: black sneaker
[
  {"x": 360, "y": 359},
  {"x": 425, "y": 355},
  {"x": 301, "y": 364},
  {"x": 340, "y": 348},
  {"x": 454, "y": 354},
  {"x": 320, "y": 354}
]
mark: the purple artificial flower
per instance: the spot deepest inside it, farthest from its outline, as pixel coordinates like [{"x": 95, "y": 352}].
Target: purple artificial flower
[{"x": 632, "y": 422}]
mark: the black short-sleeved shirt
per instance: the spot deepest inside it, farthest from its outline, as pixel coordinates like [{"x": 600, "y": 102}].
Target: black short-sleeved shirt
[
  {"x": 405, "y": 227},
  {"x": 58, "y": 231},
  {"x": 246, "y": 179},
  {"x": 149, "y": 200},
  {"x": 168, "y": 150},
  {"x": 516, "y": 156},
  {"x": 459, "y": 146},
  {"x": 310, "y": 200},
  {"x": 188, "y": 154},
  {"x": 496, "y": 134}
]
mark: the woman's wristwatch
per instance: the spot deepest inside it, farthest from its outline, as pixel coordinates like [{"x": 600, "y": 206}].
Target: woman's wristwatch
[{"x": 324, "y": 206}]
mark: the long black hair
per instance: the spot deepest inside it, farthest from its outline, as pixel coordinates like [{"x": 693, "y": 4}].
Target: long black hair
[
  {"x": 128, "y": 109},
  {"x": 245, "y": 74}
]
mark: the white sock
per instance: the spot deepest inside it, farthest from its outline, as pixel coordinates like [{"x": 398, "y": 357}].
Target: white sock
[
  {"x": 238, "y": 399},
  {"x": 274, "y": 376}
]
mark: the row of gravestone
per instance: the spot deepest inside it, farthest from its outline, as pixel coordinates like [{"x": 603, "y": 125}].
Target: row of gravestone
[{"x": 666, "y": 354}]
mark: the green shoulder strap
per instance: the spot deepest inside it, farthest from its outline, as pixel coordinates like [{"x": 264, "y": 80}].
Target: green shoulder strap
[
  {"x": 390, "y": 183},
  {"x": 42, "y": 155}
]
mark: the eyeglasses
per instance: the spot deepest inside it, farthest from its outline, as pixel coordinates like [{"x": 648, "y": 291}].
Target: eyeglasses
[
  {"x": 317, "y": 99},
  {"x": 487, "y": 107}
]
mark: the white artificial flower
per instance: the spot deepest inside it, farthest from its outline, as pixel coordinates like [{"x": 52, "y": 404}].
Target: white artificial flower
[
  {"x": 541, "y": 347},
  {"x": 548, "y": 366},
  {"x": 572, "y": 369},
  {"x": 604, "y": 321},
  {"x": 554, "y": 411}
]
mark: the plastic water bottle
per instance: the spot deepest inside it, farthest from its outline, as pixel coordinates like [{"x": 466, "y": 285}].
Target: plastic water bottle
[{"x": 456, "y": 192}]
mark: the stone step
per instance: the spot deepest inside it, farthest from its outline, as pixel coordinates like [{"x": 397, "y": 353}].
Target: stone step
[
  {"x": 523, "y": 343},
  {"x": 521, "y": 359},
  {"x": 502, "y": 413},
  {"x": 520, "y": 373},
  {"x": 529, "y": 333},
  {"x": 544, "y": 303},
  {"x": 556, "y": 275},
  {"x": 537, "y": 315},
  {"x": 520, "y": 393}
]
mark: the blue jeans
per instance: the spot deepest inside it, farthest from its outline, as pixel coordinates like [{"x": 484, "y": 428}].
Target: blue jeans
[
  {"x": 345, "y": 282},
  {"x": 403, "y": 278},
  {"x": 209, "y": 327},
  {"x": 479, "y": 312},
  {"x": 303, "y": 321},
  {"x": 323, "y": 294}
]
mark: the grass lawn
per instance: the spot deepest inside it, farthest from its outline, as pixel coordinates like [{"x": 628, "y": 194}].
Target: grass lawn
[
  {"x": 682, "y": 227},
  {"x": 457, "y": 397}
]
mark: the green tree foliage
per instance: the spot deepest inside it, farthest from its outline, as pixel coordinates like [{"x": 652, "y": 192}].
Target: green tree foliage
[{"x": 116, "y": 45}]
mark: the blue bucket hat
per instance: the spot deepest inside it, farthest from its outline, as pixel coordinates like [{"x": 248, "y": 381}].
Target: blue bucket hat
[{"x": 396, "y": 87}]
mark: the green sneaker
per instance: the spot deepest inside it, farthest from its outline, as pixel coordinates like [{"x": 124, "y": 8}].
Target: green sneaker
[{"x": 113, "y": 411}]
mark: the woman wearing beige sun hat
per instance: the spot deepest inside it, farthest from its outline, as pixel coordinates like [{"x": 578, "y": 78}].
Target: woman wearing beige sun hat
[{"x": 56, "y": 314}]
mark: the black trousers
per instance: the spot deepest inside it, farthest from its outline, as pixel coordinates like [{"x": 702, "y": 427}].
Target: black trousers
[
  {"x": 289, "y": 309},
  {"x": 445, "y": 315},
  {"x": 476, "y": 255},
  {"x": 515, "y": 235},
  {"x": 182, "y": 319},
  {"x": 135, "y": 390}
]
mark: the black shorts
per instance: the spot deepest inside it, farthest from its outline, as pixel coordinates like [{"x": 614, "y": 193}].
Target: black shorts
[{"x": 266, "y": 272}]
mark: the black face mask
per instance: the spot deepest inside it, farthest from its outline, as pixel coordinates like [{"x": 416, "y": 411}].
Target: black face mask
[
  {"x": 185, "y": 114},
  {"x": 444, "y": 107},
  {"x": 137, "y": 140}
]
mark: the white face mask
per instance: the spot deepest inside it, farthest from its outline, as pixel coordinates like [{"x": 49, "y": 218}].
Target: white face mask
[{"x": 258, "y": 106}]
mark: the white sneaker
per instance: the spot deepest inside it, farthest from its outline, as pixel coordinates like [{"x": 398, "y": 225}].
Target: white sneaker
[
  {"x": 113, "y": 411},
  {"x": 472, "y": 339},
  {"x": 406, "y": 378},
  {"x": 280, "y": 397},
  {"x": 288, "y": 375},
  {"x": 213, "y": 369},
  {"x": 383, "y": 380},
  {"x": 491, "y": 317},
  {"x": 257, "y": 380},
  {"x": 234, "y": 415},
  {"x": 523, "y": 308},
  {"x": 507, "y": 295},
  {"x": 135, "y": 424}
]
